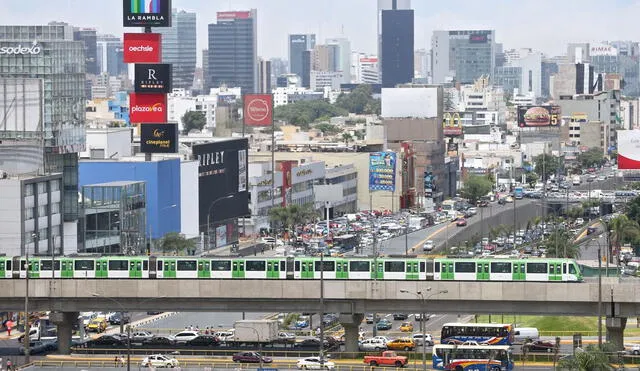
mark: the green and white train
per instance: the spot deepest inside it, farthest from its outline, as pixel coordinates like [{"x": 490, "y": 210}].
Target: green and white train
[{"x": 298, "y": 268}]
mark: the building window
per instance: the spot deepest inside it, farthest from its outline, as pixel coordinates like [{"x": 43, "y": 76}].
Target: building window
[
  {"x": 28, "y": 190},
  {"x": 42, "y": 188},
  {"x": 55, "y": 185},
  {"x": 28, "y": 213},
  {"x": 55, "y": 208}
]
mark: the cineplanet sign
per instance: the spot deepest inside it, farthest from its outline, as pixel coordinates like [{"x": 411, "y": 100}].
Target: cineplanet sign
[{"x": 34, "y": 49}]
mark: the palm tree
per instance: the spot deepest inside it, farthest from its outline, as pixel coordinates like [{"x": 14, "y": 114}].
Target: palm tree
[
  {"x": 347, "y": 138},
  {"x": 590, "y": 359},
  {"x": 623, "y": 230},
  {"x": 291, "y": 216},
  {"x": 560, "y": 245}
]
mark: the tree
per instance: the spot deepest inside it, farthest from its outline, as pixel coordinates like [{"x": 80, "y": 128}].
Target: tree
[
  {"x": 560, "y": 245},
  {"x": 623, "y": 230},
  {"x": 359, "y": 101},
  {"x": 633, "y": 209},
  {"x": 593, "y": 157},
  {"x": 291, "y": 216},
  {"x": 531, "y": 178},
  {"x": 193, "y": 120},
  {"x": 176, "y": 243},
  {"x": 548, "y": 164},
  {"x": 303, "y": 113},
  {"x": 475, "y": 186},
  {"x": 347, "y": 138},
  {"x": 591, "y": 358},
  {"x": 327, "y": 129}
]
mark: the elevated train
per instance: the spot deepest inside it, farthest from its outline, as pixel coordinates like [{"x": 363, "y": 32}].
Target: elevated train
[{"x": 294, "y": 268}]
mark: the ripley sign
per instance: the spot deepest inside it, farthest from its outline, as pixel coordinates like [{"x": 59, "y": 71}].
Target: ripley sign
[{"x": 19, "y": 49}]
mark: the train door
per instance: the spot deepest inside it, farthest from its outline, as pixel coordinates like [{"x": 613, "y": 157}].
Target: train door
[
  {"x": 204, "y": 268},
  {"x": 412, "y": 270},
  {"x": 290, "y": 268},
  {"x": 169, "y": 270},
  {"x": 519, "y": 272},
  {"x": 555, "y": 271},
  {"x": 102, "y": 268},
  {"x": 135, "y": 268},
  {"x": 237, "y": 269},
  {"x": 446, "y": 270},
  {"x": 273, "y": 269},
  {"x": 342, "y": 269},
  {"x": 377, "y": 270},
  {"x": 34, "y": 268},
  {"x": 66, "y": 268},
  {"x": 17, "y": 268},
  {"x": 482, "y": 270},
  {"x": 3, "y": 269},
  {"x": 307, "y": 269},
  {"x": 153, "y": 266}
]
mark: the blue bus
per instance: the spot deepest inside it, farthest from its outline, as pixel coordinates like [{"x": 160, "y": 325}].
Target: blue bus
[
  {"x": 481, "y": 333},
  {"x": 472, "y": 357},
  {"x": 518, "y": 193}
]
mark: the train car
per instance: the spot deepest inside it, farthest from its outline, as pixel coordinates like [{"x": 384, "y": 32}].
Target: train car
[{"x": 533, "y": 270}]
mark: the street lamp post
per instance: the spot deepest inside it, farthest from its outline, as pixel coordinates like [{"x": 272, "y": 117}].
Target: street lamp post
[
  {"x": 423, "y": 327},
  {"x": 209, "y": 213},
  {"x": 259, "y": 345},
  {"x": 599, "y": 292}
]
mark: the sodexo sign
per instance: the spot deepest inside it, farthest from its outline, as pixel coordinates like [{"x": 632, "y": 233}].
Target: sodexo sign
[{"x": 19, "y": 49}]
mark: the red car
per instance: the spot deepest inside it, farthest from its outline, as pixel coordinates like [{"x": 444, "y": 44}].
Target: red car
[
  {"x": 540, "y": 346},
  {"x": 461, "y": 222}
]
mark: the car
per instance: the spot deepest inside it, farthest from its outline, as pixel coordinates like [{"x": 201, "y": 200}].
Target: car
[
  {"x": 540, "y": 346},
  {"x": 383, "y": 325},
  {"x": 250, "y": 357},
  {"x": 428, "y": 245},
  {"x": 369, "y": 318},
  {"x": 153, "y": 313},
  {"x": 40, "y": 347},
  {"x": 399, "y": 316},
  {"x": 370, "y": 345},
  {"x": 579, "y": 221},
  {"x": 106, "y": 341},
  {"x": 418, "y": 317},
  {"x": 313, "y": 343},
  {"x": 406, "y": 327},
  {"x": 203, "y": 341},
  {"x": 634, "y": 349},
  {"x": 141, "y": 336},
  {"x": 159, "y": 360},
  {"x": 119, "y": 318},
  {"x": 472, "y": 210},
  {"x": 98, "y": 324},
  {"x": 183, "y": 336},
  {"x": 417, "y": 338},
  {"x": 313, "y": 363},
  {"x": 401, "y": 344},
  {"x": 286, "y": 337},
  {"x": 159, "y": 341},
  {"x": 461, "y": 222}
]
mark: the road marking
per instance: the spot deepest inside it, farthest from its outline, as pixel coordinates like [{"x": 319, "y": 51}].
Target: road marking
[{"x": 429, "y": 237}]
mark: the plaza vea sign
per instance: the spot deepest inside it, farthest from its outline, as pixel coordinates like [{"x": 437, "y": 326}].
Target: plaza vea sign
[{"x": 19, "y": 49}]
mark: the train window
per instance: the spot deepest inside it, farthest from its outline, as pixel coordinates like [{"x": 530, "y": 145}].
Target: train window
[
  {"x": 328, "y": 266},
  {"x": 282, "y": 265},
  {"x": 145, "y": 265},
  {"x": 552, "y": 269},
  {"x": 465, "y": 267},
  {"x": 297, "y": 266},
  {"x": 572, "y": 269},
  {"x": 255, "y": 266},
  {"x": 536, "y": 268},
  {"x": 8, "y": 265},
  {"x": 220, "y": 265},
  {"x": 45, "y": 265},
  {"x": 500, "y": 267},
  {"x": 423, "y": 266},
  {"x": 187, "y": 265},
  {"x": 118, "y": 265},
  {"x": 359, "y": 266},
  {"x": 396, "y": 266},
  {"x": 84, "y": 265},
  {"x": 159, "y": 265},
  {"x": 276, "y": 266},
  {"x": 1, "y": 266},
  {"x": 436, "y": 267}
]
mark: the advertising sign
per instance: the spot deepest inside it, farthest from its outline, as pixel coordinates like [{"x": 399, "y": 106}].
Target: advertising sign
[
  {"x": 221, "y": 235},
  {"x": 628, "y": 149},
  {"x": 451, "y": 124},
  {"x": 538, "y": 116},
  {"x": 152, "y": 78},
  {"x": 159, "y": 138},
  {"x": 220, "y": 175},
  {"x": 146, "y": 13},
  {"x": 142, "y": 47},
  {"x": 598, "y": 50},
  {"x": 382, "y": 171},
  {"x": 258, "y": 109},
  {"x": 21, "y": 49},
  {"x": 147, "y": 108},
  {"x": 478, "y": 39}
]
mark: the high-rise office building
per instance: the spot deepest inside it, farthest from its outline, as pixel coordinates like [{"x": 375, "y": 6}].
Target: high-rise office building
[
  {"x": 90, "y": 39},
  {"x": 50, "y": 55},
  {"x": 179, "y": 47},
  {"x": 205, "y": 70},
  {"x": 397, "y": 47},
  {"x": 462, "y": 55},
  {"x": 298, "y": 44},
  {"x": 325, "y": 58},
  {"x": 233, "y": 59},
  {"x": 388, "y": 5},
  {"x": 110, "y": 55},
  {"x": 279, "y": 67},
  {"x": 343, "y": 57},
  {"x": 264, "y": 76}
]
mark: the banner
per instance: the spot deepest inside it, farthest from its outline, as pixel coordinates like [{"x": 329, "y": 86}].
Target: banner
[
  {"x": 382, "y": 171},
  {"x": 257, "y": 109},
  {"x": 146, "y": 13},
  {"x": 628, "y": 149},
  {"x": 159, "y": 138},
  {"x": 142, "y": 47}
]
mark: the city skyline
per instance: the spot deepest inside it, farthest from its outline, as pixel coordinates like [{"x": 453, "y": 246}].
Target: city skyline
[{"x": 333, "y": 18}]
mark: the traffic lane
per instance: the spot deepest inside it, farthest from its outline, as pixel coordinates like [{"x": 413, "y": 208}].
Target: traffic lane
[{"x": 201, "y": 320}]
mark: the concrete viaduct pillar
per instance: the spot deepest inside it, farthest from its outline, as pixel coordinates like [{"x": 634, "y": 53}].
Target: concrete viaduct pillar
[
  {"x": 65, "y": 322},
  {"x": 351, "y": 324},
  {"x": 615, "y": 331}
]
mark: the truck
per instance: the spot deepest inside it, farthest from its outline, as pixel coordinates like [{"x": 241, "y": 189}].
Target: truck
[
  {"x": 255, "y": 331},
  {"x": 386, "y": 358},
  {"x": 576, "y": 180}
]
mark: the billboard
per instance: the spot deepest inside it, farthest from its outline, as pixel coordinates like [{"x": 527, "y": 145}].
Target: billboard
[
  {"x": 258, "y": 109},
  {"x": 451, "y": 124},
  {"x": 146, "y": 13},
  {"x": 142, "y": 47},
  {"x": 152, "y": 78},
  {"x": 147, "y": 108},
  {"x": 222, "y": 171},
  {"x": 538, "y": 116},
  {"x": 382, "y": 171},
  {"x": 159, "y": 138},
  {"x": 628, "y": 149},
  {"x": 410, "y": 102}
]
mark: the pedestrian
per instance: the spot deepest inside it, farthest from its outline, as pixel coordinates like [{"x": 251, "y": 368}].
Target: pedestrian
[
  {"x": 262, "y": 250},
  {"x": 116, "y": 361},
  {"x": 122, "y": 361},
  {"x": 206, "y": 331},
  {"x": 9, "y": 365}
]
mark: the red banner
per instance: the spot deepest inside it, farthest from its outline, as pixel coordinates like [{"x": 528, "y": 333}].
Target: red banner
[
  {"x": 147, "y": 108},
  {"x": 142, "y": 47},
  {"x": 258, "y": 109}
]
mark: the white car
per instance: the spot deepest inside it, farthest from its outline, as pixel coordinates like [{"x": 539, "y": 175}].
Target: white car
[
  {"x": 634, "y": 349},
  {"x": 417, "y": 339},
  {"x": 139, "y": 336},
  {"x": 158, "y": 360},
  {"x": 371, "y": 345},
  {"x": 428, "y": 245},
  {"x": 313, "y": 363},
  {"x": 184, "y": 336}
]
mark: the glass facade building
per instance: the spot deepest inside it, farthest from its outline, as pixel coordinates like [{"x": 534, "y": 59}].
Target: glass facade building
[
  {"x": 298, "y": 44},
  {"x": 233, "y": 58},
  {"x": 90, "y": 39},
  {"x": 110, "y": 56},
  {"x": 59, "y": 61},
  {"x": 179, "y": 47},
  {"x": 462, "y": 56},
  {"x": 397, "y": 47}
]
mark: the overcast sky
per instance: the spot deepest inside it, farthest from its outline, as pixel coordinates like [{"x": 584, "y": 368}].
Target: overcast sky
[{"x": 545, "y": 25}]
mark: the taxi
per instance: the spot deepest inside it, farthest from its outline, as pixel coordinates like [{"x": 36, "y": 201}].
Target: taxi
[
  {"x": 406, "y": 327},
  {"x": 97, "y": 324},
  {"x": 401, "y": 344}
]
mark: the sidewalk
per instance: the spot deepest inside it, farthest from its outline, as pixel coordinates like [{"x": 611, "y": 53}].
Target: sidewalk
[{"x": 14, "y": 335}]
